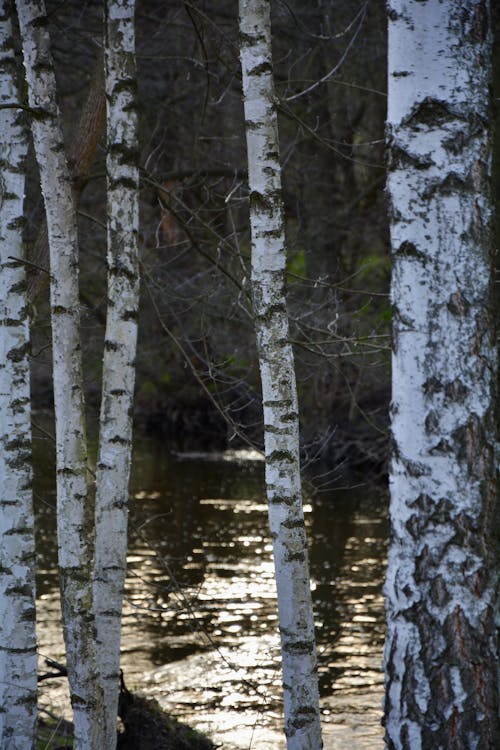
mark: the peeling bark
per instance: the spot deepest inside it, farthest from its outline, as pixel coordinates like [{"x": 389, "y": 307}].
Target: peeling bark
[
  {"x": 18, "y": 657},
  {"x": 279, "y": 394},
  {"x": 115, "y": 440},
  {"x": 441, "y": 652}
]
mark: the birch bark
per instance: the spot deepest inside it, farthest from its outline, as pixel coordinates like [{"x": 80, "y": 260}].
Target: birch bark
[
  {"x": 281, "y": 425},
  {"x": 115, "y": 442},
  {"x": 18, "y": 658},
  {"x": 73, "y": 510},
  {"x": 441, "y": 658}
]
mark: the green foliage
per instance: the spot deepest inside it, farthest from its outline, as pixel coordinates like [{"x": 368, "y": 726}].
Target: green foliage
[
  {"x": 234, "y": 364},
  {"x": 53, "y": 733},
  {"x": 296, "y": 266},
  {"x": 147, "y": 388},
  {"x": 375, "y": 269}
]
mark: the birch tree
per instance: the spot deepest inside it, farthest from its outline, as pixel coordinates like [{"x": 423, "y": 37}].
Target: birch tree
[
  {"x": 73, "y": 510},
  {"x": 441, "y": 652},
  {"x": 279, "y": 394},
  {"x": 115, "y": 442},
  {"x": 18, "y": 658}
]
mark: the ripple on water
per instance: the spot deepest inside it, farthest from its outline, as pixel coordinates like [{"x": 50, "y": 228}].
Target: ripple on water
[{"x": 200, "y": 622}]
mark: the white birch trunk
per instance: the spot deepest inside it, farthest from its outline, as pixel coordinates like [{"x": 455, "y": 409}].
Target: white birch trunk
[
  {"x": 74, "y": 520},
  {"x": 281, "y": 425},
  {"x": 115, "y": 442},
  {"x": 441, "y": 659},
  {"x": 18, "y": 658}
]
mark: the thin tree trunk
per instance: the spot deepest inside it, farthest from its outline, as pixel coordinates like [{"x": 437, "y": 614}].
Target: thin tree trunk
[
  {"x": 18, "y": 658},
  {"x": 74, "y": 521},
  {"x": 281, "y": 419},
  {"x": 115, "y": 442},
  {"x": 441, "y": 653},
  {"x": 81, "y": 151}
]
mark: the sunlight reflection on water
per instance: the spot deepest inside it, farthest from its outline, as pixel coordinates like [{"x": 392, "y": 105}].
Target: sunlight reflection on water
[{"x": 200, "y": 622}]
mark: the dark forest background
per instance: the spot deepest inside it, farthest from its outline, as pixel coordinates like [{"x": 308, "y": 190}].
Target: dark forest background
[{"x": 197, "y": 378}]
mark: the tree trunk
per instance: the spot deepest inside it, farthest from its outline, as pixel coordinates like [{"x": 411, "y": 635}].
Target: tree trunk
[
  {"x": 81, "y": 151},
  {"x": 115, "y": 442},
  {"x": 73, "y": 510},
  {"x": 281, "y": 425},
  {"x": 18, "y": 658},
  {"x": 440, "y": 658}
]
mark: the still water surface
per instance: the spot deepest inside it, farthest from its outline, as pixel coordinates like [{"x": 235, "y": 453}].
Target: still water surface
[{"x": 200, "y": 624}]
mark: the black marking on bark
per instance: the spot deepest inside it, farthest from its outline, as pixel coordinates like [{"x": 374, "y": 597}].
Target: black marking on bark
[
  {"x": 285, "y": 403},
  {"x": 443, "y": 447},
  {"x": 432, "y": 386},
  {"x": 277, "y": 430},
  {"x": 251, "y": 40},
  {"x": 268, "y": 203},
  {"x": 18, "y": 354},
  {"x": 280, "y": 456},
  {"x": 305, "y": 716},
  {"x": 432, "y": 112},
  {"x": 67, "y": 471},
  {"x": 432, "y": 422},
  {"x": 130, "y": 315},
  {"x": 118, "y": 440},
  {"x": 261, "y": 69},
  {"x": 7, "y": 196},
  {"x": 40, "y": 22},
  {"x": 19, "y": 590},
  {"x": 111, "y": 346},
  {"x": 414, "y": 469},
  {"x": 123, "y": 182},
  {"x": 295, "y": 524},
  {"x": 400, "y": 158},
  {"x": 121, "y": 269},
  {"x": 18, "y": 223},
  {"x": 456, "y": 391},
  {"x": 29, "y": 614},
  {"x": 19, "y": 460},
  {"x": 273, "y": 233},
  {"x": 10, "y": 650},
  {"x": 252, "y": 126},
  {"x": 278, "y": 308},
  {"x": 458, "y": 304},
  {"x": 125, "y": 84},
  {"x": 282, "y": 500},
  {"x": 299, "y": 647},
  {"x": 18, "y": 288},
  {"x": 18, "y": 444},
  {"x": 410, "y": 250},
  {"x": 400, "y": 320},
  {"x": 295, "y": 557}
]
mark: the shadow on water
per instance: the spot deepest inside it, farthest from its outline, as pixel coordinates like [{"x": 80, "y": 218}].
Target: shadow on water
[{"x": 200, "y": 623}]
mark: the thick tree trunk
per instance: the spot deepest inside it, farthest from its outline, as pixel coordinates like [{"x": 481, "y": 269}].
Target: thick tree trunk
[
  {"x": 115, "y": 442},
  {"x": 281, "y": 425},
  {"x": 74, "y": 520},
  {"x": 441, "y": 657},
  {"x": 18, "y": 658}
]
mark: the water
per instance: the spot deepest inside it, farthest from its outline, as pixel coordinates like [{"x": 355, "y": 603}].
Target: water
[{"x": 200, "y": 623}]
